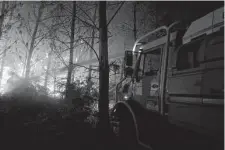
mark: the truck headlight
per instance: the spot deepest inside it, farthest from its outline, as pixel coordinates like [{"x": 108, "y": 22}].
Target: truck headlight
[{"x": 126, "y": 97}]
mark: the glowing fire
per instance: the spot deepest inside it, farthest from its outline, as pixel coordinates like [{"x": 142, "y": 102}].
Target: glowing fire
[{"x": 5, "y": 77}]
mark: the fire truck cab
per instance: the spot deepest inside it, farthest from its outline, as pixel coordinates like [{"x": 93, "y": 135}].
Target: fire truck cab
[{"x": 179, "y": 73}]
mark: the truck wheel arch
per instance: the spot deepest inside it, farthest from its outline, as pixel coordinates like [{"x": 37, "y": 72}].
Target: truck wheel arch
[{"x": 125, "y": 106}]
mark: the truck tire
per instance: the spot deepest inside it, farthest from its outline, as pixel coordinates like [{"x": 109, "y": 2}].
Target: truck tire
[{"x": 124, "y": 120}]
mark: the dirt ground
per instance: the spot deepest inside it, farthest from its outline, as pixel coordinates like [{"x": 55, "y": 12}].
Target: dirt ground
[{"x": 22, "y": 129}]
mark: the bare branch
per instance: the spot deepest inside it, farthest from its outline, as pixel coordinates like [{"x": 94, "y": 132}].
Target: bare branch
[
  {"x": 63, "y": 25},
  {"x": 28, "y": 28},
  {"x": 58, "y": 55},
  {"x": 57, "y": 38},
  {"x": 92, "y": 49},
  {"x": 87, "y": 23},
  {"x": 87, "y": 16},
  {"x": 116, "y": 12},
  {"x": 22, "y": 41},
  {"x": 39, "y": 41},
  {"x": 57, "y": 16},
  {"x": 77, "y": 64},
  {"x": 8, "y": 47},
  {"x": 35, "y": 63},
  {"x": 74, "y": 65}
]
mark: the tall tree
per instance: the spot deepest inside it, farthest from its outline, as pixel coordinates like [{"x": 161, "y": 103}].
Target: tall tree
[
  {"x": 91, "y": 51},
  {"x": 134, "y": 13},
  {"x": 70, "y": 68},
  {"x": 4, "y": 52},
  {"x": 31, "y": 49},
  {"x": 2, "y": 16},
  {"x": 48, "y": 69},
  {"x": 2, "y": 65},
  {"x": 103, "y": 72},
  {"x": 5, "y": 8}
]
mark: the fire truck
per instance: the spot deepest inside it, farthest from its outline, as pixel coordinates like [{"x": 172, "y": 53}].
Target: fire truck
[{"x": 175, "y": 73}]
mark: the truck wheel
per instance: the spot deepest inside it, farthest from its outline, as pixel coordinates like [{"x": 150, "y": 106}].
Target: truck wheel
[
  {"x": 124, "y": 123},
  {"x": 123, "y": 126}
]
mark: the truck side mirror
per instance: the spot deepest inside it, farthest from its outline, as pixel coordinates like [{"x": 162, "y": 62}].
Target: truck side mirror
[{"x": 128, "y": 58}]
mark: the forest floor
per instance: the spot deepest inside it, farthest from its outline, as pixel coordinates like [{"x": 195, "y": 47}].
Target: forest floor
[
  {"x": 28, "y": 126},
  {"x": 24, "y": 128}
]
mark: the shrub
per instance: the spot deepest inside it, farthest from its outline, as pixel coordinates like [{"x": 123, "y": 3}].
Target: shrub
[{"x": 84, "y": 98}]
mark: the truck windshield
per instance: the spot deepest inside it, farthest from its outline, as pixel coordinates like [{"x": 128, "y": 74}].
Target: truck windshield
[{"x": 151, "y": 62}]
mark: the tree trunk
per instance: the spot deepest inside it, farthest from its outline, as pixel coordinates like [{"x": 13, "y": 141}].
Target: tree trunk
[
  {"x": 156, "y": 16},
  {"x": 115, "y": 76},
  {"x": 135, "y": 28},
  {"x": 47, "y": 71},
  {"x": 2, "y": 17},
  {"x": 31, "y": 49},
  {"x": 70, "y": 68},
  {"x": 73, "y": 75},
  {"x": 2, "y": 66},
  {"x": 103, "y": 74},
  {"x": 91, "y": 51},
  {"x": 4, "y": 54},
  {"x": 54, "y": 83}
]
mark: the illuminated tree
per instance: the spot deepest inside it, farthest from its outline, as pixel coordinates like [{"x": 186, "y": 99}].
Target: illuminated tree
[
  {"x": 70, "y": 68},
  {"x": 7, "y": 9},
  {"x": 33, "y": 37}
]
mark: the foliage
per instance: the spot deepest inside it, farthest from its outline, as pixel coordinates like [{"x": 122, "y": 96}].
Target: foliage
[
  {"x": 23, "y": 88},
  {"x": 27, "y": 94},
  {"x": 84, "y": 101}
]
